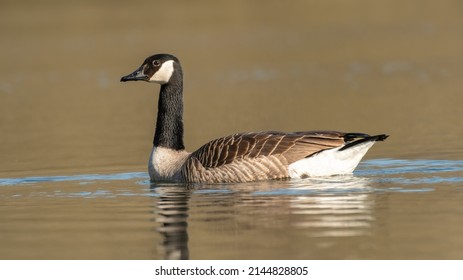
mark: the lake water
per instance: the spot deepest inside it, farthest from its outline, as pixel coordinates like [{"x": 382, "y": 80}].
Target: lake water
[
  {"x": 389, "y": 209},
  {"x": 74, "y": 142}
]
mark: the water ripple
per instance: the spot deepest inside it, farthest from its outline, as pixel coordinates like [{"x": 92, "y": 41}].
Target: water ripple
[
  {"x": 84, "y": 179},
  {"x": 405, "y": 172},
  {"x": 395, "y": 166}
]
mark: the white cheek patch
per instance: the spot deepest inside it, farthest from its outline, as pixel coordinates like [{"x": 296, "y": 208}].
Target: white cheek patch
[{"x": 162, "y": 76}]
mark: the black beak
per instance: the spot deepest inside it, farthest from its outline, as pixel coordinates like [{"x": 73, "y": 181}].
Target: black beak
[{"x": 137, "y": 75}]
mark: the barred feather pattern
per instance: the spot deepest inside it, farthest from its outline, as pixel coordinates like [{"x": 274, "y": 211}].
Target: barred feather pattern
[{"x": 247, "y": 157}]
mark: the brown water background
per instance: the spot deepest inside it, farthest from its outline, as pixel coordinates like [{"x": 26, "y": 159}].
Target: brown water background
[{"x": 392, "y": 67}]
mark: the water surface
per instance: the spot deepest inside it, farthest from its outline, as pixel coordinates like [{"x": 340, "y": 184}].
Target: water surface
[{"x": 390, "y": 209}]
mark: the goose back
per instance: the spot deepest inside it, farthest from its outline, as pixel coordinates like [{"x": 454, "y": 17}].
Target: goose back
[{"x": 246, "y": 157}]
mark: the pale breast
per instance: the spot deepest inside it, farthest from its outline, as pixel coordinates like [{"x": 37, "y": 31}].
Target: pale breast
[{"x": 165, "y": 164}]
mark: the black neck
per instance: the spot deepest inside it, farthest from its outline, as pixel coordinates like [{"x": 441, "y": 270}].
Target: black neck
[{"x": 169, "y": 125}]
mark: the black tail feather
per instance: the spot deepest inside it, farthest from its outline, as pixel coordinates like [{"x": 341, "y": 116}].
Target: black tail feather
[{"x": 354, "y": 139}]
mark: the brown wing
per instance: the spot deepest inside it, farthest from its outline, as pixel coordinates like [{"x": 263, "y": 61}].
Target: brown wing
[{"x": 292, "y": 146}]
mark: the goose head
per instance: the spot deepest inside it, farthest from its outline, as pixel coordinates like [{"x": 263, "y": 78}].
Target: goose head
[{"x": 158, "y": 68}]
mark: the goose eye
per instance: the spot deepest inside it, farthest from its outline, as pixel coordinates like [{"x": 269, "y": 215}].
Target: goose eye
[{"x": 156, "y": 63}]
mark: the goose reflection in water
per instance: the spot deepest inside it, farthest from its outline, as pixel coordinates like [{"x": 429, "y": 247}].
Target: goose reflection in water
[
  {"x": 339, "y": 206},
  {"x": 172, "y": 215},
  {"x": 323, "y": 207},
  {"x": 342, "y": 207}
]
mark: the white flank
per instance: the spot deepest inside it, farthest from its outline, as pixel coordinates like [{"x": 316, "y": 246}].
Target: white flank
[
  {"x": 164, "y": 73},
  {"x": 330, "y": 162},
  {"x": 165, "y": 164}
]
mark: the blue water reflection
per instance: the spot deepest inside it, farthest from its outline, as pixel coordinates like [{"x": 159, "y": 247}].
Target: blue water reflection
[{"x": 371, "y": 172}]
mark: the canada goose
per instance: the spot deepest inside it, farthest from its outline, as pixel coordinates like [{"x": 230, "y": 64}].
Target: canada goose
[{"x": 241, "y": 157}]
